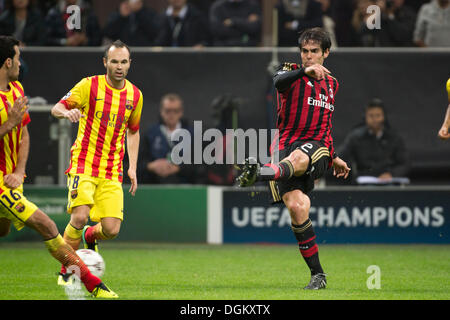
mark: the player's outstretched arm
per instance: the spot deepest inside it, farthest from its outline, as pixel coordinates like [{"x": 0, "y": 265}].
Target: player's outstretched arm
[
  {"x": 286, "y": 74},
  {"x": 73, "y": 115},
  {"x": 284, "y": 79},
  {"x": 443, "y": 132},
  {"x": 133, "y": 149}
]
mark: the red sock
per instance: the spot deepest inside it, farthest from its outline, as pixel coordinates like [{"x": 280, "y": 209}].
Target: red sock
[
  {"x": 65, "y": 254},
  {"x": 89, "y": 235},
  {"x": 63, "y": 269},
  {"x": 89, "y": 280},
  {"x": 95, "y": 233}
]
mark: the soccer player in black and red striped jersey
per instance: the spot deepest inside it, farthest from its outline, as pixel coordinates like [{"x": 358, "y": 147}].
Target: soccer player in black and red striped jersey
[{"x": 306, "y": 96}]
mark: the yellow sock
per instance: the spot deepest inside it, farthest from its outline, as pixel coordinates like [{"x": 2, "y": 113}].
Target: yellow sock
[
  {"x": 72, "y": 236},
  {"x": 54, "y": 244}
]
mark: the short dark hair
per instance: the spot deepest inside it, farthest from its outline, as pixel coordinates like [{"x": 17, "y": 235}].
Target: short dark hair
[
  {"x": 316, "y": 35},
  {"x": 117, "y": 44},
  {"x": 7, "y": 44},
  {"x": 375, "y": 103},
  {"x": 170, "y": 97}
]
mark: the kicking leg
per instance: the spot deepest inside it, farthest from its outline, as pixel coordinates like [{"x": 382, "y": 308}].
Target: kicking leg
[
  {"x": 59, "y": 249},
  {"x": 296, "y": 164}
]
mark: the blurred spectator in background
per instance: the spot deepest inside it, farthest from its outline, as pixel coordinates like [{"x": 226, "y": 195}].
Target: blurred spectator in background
[
  {"x": 23, "y": 22},
  {"x": 359, "y": 21},
  {"x": 295, "y": 16},
  {"x": 58, "y": 34},
  {"x": 397, "y": 24},
  {"x": 416, "y": 4},
  {"x": 202, "y": 5},
  {"x": 433, "y": 24},
  {"x": 225, "y": 115},
  {"x": 235, "y": 23},
  {"x": 328, "y": 23},
  {"x": 342, "y": 15},
  {"x": 183, "y": 26},
  {"x": 374, "y": 148},
  {"x": 45, "y": 5},
  {"x": 134, "y": 24},
  {"x": 156, "y": 147}
]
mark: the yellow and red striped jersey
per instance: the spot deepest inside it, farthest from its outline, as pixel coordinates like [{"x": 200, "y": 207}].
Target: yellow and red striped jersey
[
  {"x": 9, "y": 144},
  {"x": 98, "y": 150}
]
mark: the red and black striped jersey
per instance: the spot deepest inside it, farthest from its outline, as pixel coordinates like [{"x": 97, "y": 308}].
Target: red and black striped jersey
[{"x": 305, "y": 109}]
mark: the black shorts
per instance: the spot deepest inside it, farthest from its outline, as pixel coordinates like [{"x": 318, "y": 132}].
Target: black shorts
[{"x": 319, "y": 156}]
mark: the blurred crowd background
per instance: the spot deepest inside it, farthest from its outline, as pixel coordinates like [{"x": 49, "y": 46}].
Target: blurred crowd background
[
  {"x": 374, "y": 147},
  {"x": 203, "y": 23}
]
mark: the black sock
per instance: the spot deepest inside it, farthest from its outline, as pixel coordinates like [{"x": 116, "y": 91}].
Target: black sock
[
  {"x": 281, "y": 171},
  {"x": 309, "y": 250}
]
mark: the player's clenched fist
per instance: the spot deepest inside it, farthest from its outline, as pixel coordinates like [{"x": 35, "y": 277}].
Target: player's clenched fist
[
  {"x": 13, "y": 180},
  {"x": 16, "y": 112},
  {"x": 317, "y": 71},
  {"x": 73, "y": 115}
]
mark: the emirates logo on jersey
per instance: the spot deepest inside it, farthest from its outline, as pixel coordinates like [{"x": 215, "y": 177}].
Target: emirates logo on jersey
[{"x": 320, "y": 103}]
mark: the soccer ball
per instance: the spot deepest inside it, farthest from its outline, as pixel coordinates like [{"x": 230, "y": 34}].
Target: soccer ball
[{"x": 93, "y": 260}]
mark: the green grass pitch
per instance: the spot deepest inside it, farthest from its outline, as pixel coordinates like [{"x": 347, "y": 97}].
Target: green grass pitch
[{"x": 236, "y": 272}]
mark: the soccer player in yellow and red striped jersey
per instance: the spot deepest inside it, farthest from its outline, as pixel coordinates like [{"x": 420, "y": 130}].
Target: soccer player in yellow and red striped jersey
[
  {"x": 14, "y": 148},
  {"x": 108, "y": 108},
  {"x": 443, "y": 132}
]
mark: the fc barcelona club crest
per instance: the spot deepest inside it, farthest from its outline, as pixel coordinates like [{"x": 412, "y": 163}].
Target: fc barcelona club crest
[
  {"x": 129, "y": 105},
  {"x": 74, "y": 194},
  {"x": 20, "y": 207}
]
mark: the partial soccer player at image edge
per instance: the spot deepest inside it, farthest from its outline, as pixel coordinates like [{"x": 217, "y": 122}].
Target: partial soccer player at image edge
[{"x": 15, "y": 208}]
